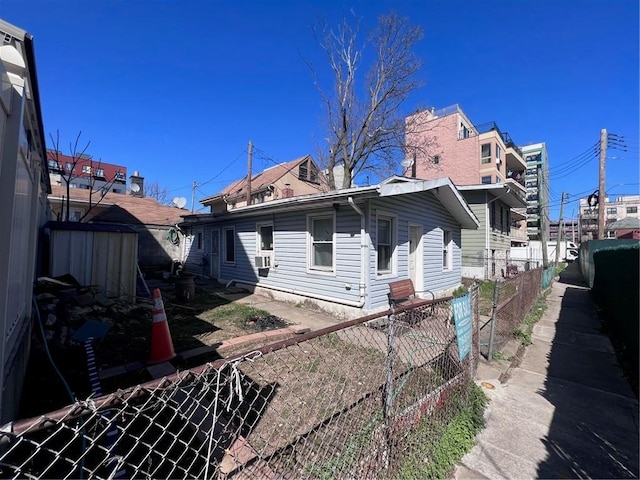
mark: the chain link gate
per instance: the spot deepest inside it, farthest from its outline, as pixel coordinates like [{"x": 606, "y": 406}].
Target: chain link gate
[{"x": 342, "y": 402}]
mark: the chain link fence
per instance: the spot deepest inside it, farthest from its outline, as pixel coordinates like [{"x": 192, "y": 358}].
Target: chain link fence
[
  {"x": 513, "y": 299},
  {"x": 349, "y": 401}
]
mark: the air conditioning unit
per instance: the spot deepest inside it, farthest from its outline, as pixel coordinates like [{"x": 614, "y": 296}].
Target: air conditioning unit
[{"x": 263, "y": 261}]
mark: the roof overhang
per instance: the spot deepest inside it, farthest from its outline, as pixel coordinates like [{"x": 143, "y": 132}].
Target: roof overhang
[
  {"x": 500, "y": 191},
  {"x": 443, "y": 189}
]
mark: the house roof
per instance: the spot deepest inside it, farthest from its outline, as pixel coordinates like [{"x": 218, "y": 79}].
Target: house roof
[
  {"x": 121, "y": 208},
  {"x": 443, "y": 189},
  {"x": 627, "y": 223},
  {"x": 498, "y": 190},
  {"x": 89, "y": 227},
  {"x": 262, "y": 180}
]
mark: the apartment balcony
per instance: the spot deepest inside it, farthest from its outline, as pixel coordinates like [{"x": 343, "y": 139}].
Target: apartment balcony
[{"x": 518, "y": 235}]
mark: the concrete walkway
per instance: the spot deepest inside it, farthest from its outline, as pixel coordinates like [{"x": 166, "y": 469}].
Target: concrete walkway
[{"x": 566, "y": 411}]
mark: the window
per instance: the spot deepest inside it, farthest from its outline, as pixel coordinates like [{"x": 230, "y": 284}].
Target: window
[
  {"x": 99, "y": 172},
  {"x": 436, "y": 159},
  {"x": 265, "y": 238},
  {"x": 486, "y": 180},
  {"x": 492, "y": 222},
  {"x": 229, "y": 245},
  {"x": 120, "y": 176},
  {"x": 68, "y": 167},
  {"x": 498, "y": 153},
  {"x": 485, "y": 153},
  {"x": 385, "y": 235},
  {"x": 612, "y": 211},
  {"x": 446, "y": 250},
  {"x": 199, "y": 240},
  {"x": 464, "y": 132},
  {"x": 632, "y": 209},
  {"x": 321, "y": 233},
  {"x": 75, "y": 215},
  {"x": 86, "y": 169}
]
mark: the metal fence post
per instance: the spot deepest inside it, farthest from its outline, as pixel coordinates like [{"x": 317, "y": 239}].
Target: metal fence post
[
  {"x": 388, "y": 397},
  {"x": 494, "y": 312}
]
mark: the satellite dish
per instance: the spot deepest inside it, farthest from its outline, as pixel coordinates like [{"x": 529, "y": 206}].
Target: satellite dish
[
  {"x": 179, "y": 202},
  {"x": 407, "y": 162},
  {"x": 135, "y": 187}
]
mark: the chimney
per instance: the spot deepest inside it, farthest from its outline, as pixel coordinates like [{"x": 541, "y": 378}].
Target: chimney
[
  {"x": 136, "y": 185},
  {"x": 287, "y": 191}
]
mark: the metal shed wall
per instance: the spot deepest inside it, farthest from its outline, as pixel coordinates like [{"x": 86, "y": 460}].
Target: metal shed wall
[{"x": 104, "y": 259}]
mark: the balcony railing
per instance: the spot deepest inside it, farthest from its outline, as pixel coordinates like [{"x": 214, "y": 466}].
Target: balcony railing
[
  {"x": 517, "y": 176},
  {"x": 518, "y": 234}
]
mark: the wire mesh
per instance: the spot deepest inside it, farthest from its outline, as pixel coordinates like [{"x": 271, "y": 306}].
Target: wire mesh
[
  {"x": 515, "y": 297},
  {"x": 351, "y": 403}
]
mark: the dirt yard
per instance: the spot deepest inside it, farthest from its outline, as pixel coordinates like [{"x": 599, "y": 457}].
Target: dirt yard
[{"x": 122, "y": 332}]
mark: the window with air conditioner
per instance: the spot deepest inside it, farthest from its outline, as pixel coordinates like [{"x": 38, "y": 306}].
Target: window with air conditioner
[{"x": 265, "y": 246}]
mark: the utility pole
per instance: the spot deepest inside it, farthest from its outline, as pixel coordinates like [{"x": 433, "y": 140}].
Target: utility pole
[
  {"x": 558, "y": 239},
  {"x": 249, "y": 169},
  {"x": 601, "y": 187},
  {"x": 573, "y": 226},
  {"x": 542, "y": 232},
  {"x": 193, "y": 195}
]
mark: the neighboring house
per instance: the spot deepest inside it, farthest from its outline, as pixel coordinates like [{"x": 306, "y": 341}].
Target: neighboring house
[
  {"x": 625, "y": 228},
  {"x": 159, "y": 242},
  {"x": 622, "y": 207},
  {"x": 339, "y": 250},
  {"x": 86, "y": 173},
  {"x": 486, "y": 251},
  {"x": 24, "y": 184},
  {"x": 537, "y": 183},
  {"x": 298, "y": 177},
  {"x": 445, "y": 143}
]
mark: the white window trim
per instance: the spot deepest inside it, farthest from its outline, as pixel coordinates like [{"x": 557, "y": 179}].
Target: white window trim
[
  {"x": 224, "y": 245},
  {"x": 310, "y": 267},
  {"x": 394, "y": 244},
  {"x": 259, "y": 250},
  {"x": 449, "y": 248}
]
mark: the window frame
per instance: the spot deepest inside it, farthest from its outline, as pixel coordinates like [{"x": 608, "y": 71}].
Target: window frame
[
  {"x": 447, "y": 250},
  {"x": 632, "y": 209},
  {"x": 259, "y": 249},
  {"x": 225, "y": 246},
  {"x": 311, "y": 243},
  {"x": 393, "y": 243},
  {"x": 484, "y": 159},
  {"x": 484, "y": 177}
]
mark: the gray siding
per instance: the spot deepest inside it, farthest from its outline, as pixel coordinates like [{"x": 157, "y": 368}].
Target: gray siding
[
  {"x": 474, "y": 242},
  {"x": 290, "y": 273},
  {"x": 420, "y": 209}
]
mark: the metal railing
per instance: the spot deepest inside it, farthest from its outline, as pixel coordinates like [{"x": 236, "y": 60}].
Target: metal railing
[{"x": 349, "y": 401}]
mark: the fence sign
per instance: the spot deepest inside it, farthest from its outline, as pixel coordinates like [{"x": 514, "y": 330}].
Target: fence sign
[{"x": 462, "y": 317}]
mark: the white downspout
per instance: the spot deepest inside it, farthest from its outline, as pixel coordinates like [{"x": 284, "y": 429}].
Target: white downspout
[{"x": 363, "y": 251}]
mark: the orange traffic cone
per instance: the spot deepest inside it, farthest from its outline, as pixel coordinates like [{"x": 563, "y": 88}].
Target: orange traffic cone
[{"x": 161, "y": 343}]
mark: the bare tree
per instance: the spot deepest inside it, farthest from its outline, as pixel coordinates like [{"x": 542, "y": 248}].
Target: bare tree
[
  {"x": 154, "y": 190},
  {"x": 69, "y": 172},
  {"x": 365, "y": 129}
]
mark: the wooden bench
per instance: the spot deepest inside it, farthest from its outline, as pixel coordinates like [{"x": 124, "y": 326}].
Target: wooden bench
[{"x": 403, "y": 294}]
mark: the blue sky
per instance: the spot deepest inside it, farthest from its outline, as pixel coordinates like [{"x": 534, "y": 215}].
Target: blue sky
[{"x": 176, "y": 89}]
